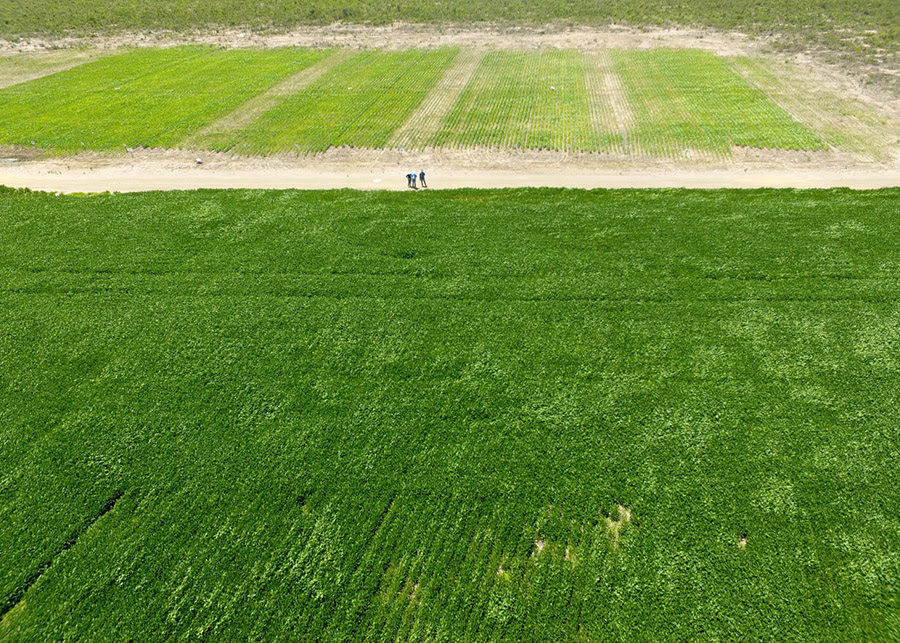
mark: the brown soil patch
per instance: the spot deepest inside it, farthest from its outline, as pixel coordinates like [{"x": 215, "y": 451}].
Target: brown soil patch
[
  {"x": 406, "y": 35},
  {"x": 385, "y": 169}
]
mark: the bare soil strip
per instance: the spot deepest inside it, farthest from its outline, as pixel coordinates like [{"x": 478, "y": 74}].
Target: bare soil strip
[
  {"x": 603, "y": 115},
  {"x": 32, "y": 65},
  {"x": 426, "y": 120},
  {"x": 608, "y": 105},
  {"x": 410, "y": 35},
  {"x": 820, "y": 102},
  {"x": 258, "y": 105},
  {"x": 146, "y": 175}
]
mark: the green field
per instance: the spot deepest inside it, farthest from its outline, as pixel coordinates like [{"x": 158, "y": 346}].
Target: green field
[
  {"x": 679, "y": 100},
  {"x": 863, "y": 35},
  {"x": 536, "y": 415},
  {"x": 695, "y": 100},
  {"x": 660, "y": 103},
  {"x": 522, "y": 99},
  {"x": 358, "y": 103},
  {"x": 143, "y": 98}
]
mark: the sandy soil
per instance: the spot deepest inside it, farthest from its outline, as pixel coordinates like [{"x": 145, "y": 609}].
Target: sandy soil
[
  {"x": 405, "y": 35},
  {"x": 149, "y": 170}
]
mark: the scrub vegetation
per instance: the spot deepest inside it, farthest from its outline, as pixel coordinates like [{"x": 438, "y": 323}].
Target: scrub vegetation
[
  {"x": 833, "y": 18},
  {"x": 537, "y": 415}
]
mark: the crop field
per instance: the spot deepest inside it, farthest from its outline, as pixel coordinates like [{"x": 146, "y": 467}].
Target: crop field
[
  {"x": 660, "y": 103},
  {"x": 863, "y": 35},
  {"x": 537, "y": 415},
  {"x": 523, "y": 99},
  {"x": 358, "y": 103},
  {"x": 695, "y": 100},
  {"x": 20, "y": 67},
  {"x": 144, "y": 98},
  {"x": 677, "y": 100}
]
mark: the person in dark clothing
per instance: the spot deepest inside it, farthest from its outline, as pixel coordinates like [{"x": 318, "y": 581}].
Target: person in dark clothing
[
  {"x": 422, "y": 178},
  {"x": 409, "y": 178}
]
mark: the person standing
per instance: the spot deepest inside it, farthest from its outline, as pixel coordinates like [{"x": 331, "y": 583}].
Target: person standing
[
  {"x": 413, "y": 175},
  {"x": 422, "y": 178}
]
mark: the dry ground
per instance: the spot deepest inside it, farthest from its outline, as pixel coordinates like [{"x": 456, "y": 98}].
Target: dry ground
[{"x": 176, "y": 170}]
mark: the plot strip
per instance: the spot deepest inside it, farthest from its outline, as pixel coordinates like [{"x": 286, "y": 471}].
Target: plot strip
[
  {"x": 426, "y": 120},
  {"x": 255, "y": 107}
]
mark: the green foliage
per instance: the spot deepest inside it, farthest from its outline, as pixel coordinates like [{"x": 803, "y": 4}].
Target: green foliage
[
  {"x": 686, "y": 99},
  {"x": 5, "y": 190},
  {"x": 536, "y": 415},
  {"x": 680, "y": 99},
  {"x": 522, "y": 99},
  {"x": 359, "y": 103},
  {"x": 144, "y": 98}
]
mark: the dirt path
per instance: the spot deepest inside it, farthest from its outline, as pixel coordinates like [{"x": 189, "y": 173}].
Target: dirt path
[
  {"x": 405, "y": 35},
  {"x": 22, "y": 67},
  {"x": 156, "y": 175}
]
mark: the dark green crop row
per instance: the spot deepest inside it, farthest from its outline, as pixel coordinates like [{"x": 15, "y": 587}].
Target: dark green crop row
[{"x": 535, "y": 415}]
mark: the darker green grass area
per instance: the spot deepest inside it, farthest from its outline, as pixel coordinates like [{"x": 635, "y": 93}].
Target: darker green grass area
[{"x": 537, "y": 415}]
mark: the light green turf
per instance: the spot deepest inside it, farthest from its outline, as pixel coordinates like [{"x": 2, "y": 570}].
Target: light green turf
[
  {"x": 21, "y": 67},
  {"x": 144, "y": 98},
  {"x": 662, "y": 103},
  {"x": 523, "y": 99},
  {"x": 686, "y": 100},
  {"x": 358, "y": 103}
]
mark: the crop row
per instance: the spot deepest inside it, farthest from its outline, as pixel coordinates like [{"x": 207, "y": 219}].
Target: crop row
[
  {"x": 358, "y": 103},
  {"x": 521, "y": 99},
  {"x": 663, "y": 103},
  {"x": 687, "y": 101},
  {"x": 517, "y": 415},
  {"x": 144, "y": 98}
]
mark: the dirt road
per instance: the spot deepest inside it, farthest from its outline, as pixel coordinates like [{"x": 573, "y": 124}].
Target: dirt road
[{"x": 137, "y": 178}]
